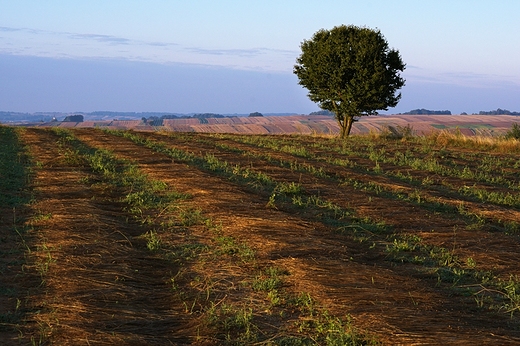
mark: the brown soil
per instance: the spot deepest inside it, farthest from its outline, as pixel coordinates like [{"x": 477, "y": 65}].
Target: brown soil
[{"x": 103, "y": 286}]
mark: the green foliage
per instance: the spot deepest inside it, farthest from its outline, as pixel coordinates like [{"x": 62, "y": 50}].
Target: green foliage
[
  {"x": 322, "y": 328},
  {"x": 153, "y": 242},
  {"x": 398, "y": 132},
  {"x": 269, "y": 280},
  {"x": 514, "y": 132},
  {"x": 234, "y": 324},
  {"x": 427, "y": 112},
  {"x": 291, "y": 188},
  {"x": 351, "y": 72},
  {"x": 229, "y": 246},
  {"x": 190, "y": 216},
  {"x": 14, "y": 168},
  {"x": 498, "y": 111}
]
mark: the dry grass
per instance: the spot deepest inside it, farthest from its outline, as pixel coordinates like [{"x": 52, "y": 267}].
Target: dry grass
[
  {"x": 200, "y": 284},
  {"x": 496, "y": 144}
]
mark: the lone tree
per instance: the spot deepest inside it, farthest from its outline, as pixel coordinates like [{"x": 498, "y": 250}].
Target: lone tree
[{"x": 351, "y": 72}]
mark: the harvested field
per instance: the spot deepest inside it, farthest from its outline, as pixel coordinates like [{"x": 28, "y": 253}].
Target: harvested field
[
  {"x": 469, "y": 125},
  {"x": 148, "y": 238}
]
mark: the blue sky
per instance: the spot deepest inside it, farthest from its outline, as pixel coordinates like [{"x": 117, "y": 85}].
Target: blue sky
[{"x": 237, "y": 56}]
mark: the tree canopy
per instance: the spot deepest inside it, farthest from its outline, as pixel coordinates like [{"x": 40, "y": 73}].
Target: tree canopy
[
  {"x": 78, "y": 118},
  {"x": 423, "y": 111},
  {"x": 499, "y": 112},
  {"x": 351, "y": 72}
]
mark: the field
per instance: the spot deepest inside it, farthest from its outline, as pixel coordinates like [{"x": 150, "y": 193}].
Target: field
[
  {"x": 469, "y": 125},
  {"x": 117, "y": 237}
]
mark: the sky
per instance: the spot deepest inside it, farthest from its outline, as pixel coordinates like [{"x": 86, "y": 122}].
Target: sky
[{"x": 237, "y": 57}]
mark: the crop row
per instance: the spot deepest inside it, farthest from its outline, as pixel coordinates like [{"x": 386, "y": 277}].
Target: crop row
[
  {"x": 15, "y": 175},
  {"x": 230, "y": 321},
  {"x": 401, "y": 248},
  {"x": 164, "y": 213},
  {"x": 392, "y": 184},
  {"x": 500, "y": 171}
]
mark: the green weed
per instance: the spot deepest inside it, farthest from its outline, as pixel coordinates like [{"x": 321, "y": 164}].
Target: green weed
[
  {"x": 153, "y": 241},
  {"x": 190, "y": 217},
  {"x": 269, "y": 280},
  {"x": 234, "y": 324},
  {"x": 513, "y": 132},
  {"x": 322, "y": 328},
  {"x": 14, "y": 169},
  {"x": 291, "y": 188},
  {"x": 229, "y": 246}
]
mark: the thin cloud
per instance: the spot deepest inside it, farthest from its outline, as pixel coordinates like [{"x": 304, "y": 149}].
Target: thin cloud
[
  {"x": 235, "y": 52},
  {"x": 115, "y": 40},
  {"x": 161, "y": 44},
  {"x": 110, "y": 39},
  {"x": 87, "y": 45},
  {"x": 29, "y": 30},
  {"x": 251, "y": 52},
  {"x": 7, "y": 29},
  {"x": 103, "y": 38},
  {"x": 466, "y": 79}
]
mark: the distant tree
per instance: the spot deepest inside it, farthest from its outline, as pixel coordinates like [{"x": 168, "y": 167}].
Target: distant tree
[
  {"x": 169, "y": 116},
  {"x": 256, "y": 114},
  {"x": 423, "y": 111},
  {"x": 351, "y": 72},
  {"x": 499, "y": 112},
  {"x": 463, "y": 113},
  {"x": 514, "y": 132},
  {"x": 157, "y": 122},
  {"x": 322, "y": 112},
  {"x": 76, "y": 118},
  {"x": 207, "y": 115},
  {"x": 154, "y": 121}
]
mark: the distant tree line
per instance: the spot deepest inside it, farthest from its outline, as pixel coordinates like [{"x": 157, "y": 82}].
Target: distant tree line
[
  {"x": 203, "y": 117},
  {"x": 155, "y": 120},
  {"x": 207, "y": 115},
  {"x": 322, "y": 112},
  {"x": 423, "y": 111},
  {"x": 159, "y": 120},
  {"x": 128, "y": 114},
  {"x": 35, "y": 117},
  {"x": 152, "y": 118},
  {"x": 499, "y": 112}
]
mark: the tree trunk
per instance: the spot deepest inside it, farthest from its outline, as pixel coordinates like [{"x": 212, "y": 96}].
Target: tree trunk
[{"x": 345, "y": 125}]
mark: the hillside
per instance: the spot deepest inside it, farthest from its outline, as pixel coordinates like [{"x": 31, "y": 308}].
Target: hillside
[{"x": 313, "y": 124}]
